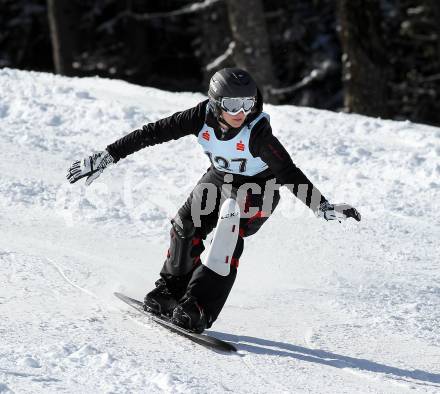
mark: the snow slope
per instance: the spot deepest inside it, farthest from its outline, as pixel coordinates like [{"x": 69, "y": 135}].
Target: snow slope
[{"x": 318, "y": 307}]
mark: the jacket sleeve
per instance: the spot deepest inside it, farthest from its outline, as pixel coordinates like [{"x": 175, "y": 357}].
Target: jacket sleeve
[
  {"x": 265, "y": 145},
  {"x": 173, "y": 127}
]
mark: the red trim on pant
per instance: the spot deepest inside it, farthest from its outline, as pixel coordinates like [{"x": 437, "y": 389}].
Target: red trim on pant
[
  {"x": 258, "y": 215},
  {"x": 196, "y": 241}
]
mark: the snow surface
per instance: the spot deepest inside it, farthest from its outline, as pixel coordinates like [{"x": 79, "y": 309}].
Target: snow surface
[{"x": 318, "y": 307}]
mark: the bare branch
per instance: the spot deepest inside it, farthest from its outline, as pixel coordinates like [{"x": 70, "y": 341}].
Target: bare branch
[
  {"x": 316, "y": 75},
  {"x": 189, "y": 9},
  {"x": 195, "y": 7},
  {"x": 220, "y": 61}
]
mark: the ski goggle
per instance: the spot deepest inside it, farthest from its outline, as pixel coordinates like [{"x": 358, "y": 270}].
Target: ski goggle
[{"x": 233, "y": 105}]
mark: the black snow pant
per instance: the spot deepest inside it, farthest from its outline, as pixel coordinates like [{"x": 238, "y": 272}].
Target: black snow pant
[{"x": 182, "y": 271}]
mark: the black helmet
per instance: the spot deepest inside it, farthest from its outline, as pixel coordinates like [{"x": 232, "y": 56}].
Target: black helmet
[{"x": 230, "y": 82}]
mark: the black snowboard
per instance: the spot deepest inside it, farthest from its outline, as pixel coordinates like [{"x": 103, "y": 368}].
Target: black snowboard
[{"x": 164, "y": 321}]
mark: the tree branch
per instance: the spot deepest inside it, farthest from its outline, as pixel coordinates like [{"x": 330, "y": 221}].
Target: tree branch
[
  {"x": 222, "y": 59},
  {"x": 189, "y": 9},
  {"x": 315, "y": 75}
]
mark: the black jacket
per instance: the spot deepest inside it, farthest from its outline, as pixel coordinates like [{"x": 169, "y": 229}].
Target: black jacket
[{"x": 262, "y": 144}]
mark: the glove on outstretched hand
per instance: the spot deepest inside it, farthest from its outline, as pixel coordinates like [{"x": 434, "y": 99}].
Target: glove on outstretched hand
[
  {"x": 90, "y": 167},
  {"x": 339, "y": 212}
]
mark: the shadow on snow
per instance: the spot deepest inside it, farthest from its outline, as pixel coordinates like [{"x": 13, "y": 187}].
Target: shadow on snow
[{"x": 281, "y": 349}]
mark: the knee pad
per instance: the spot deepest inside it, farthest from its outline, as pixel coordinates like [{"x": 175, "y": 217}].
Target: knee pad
[{"x": 185, "y": 248}]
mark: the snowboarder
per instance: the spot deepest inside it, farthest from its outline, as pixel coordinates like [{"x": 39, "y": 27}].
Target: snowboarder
[{"x": 236, "y": 135}]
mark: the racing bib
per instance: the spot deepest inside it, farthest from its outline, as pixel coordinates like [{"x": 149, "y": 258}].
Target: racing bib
[{"x": 232, "y": 156}]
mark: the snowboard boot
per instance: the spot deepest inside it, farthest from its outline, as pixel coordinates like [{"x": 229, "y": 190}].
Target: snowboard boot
[
  {"x": 190, "y": 315},
  {"x": 160, "y": 301}
]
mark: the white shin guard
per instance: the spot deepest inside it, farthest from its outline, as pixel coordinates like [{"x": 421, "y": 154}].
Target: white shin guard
[{"x": 225, "y": 238}]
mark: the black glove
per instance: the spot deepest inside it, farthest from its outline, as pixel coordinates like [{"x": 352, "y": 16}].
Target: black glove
[
  {"x": 91, "y": 167},
  {"x": 339, "y": 212}
]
